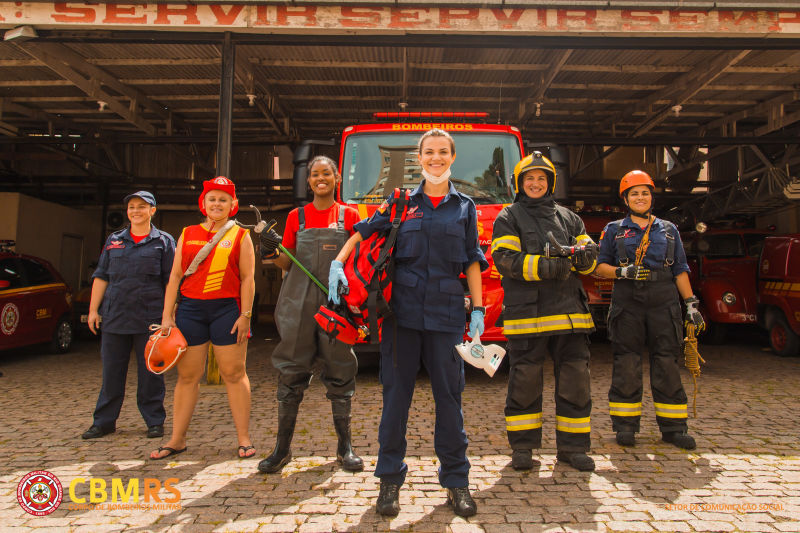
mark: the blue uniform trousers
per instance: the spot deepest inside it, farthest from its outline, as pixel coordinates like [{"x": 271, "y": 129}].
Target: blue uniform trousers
[
  {"x": 434, "y": 349},
  {"x": 116, "y": 354}
]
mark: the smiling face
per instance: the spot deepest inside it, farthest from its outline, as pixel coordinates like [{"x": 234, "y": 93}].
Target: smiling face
[
  {"x": 639, "y": 199},
  {"x": 218, "y": 204},
  {"x": 436, "y": 155},
  {"x": 322, "y": 178},
  {"x": 534, "y": 183},
  {"x": 139, "y": 211}
]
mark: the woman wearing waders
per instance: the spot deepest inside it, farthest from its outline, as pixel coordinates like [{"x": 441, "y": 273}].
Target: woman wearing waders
[
  {"x": 437, "y": 241},
  {"x": 314, "y": 235},
  {"x": 215, "y": 307},
  {"x": 544, "y": 311},
  {"x": 645, "y": 256}
]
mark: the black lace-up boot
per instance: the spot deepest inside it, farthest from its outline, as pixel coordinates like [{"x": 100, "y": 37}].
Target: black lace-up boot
[
  {"x": 388, "y": 499},
  {"x": 461, "y": 501}
]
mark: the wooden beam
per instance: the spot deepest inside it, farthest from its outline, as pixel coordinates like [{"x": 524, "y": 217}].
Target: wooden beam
[
  {"x": 536, "y": 94},
  {"x": 754, "y": 111},
  {"x": 245, "y": 73},
  {"x": 684, "y": 87},
  {"x": 60, "y": 64}
]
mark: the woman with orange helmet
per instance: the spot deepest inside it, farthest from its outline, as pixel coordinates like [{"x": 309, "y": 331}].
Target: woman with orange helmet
[
  {"x": 215, "y": 307},
  {"x": 645, "y": 256}
]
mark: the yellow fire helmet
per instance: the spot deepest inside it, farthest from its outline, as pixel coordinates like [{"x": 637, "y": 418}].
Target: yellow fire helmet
[{"x": 531, "y": 162}]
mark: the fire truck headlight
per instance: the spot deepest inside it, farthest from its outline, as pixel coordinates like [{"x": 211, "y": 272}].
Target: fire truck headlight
[{"x": 729, "y": 298}]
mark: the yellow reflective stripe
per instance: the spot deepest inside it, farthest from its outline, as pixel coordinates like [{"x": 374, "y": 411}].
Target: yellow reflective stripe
[
  {"x": 671, "y": 410},
  {"x": 573, "y": 425},
  {"x": 530, "y": 268},
  {"x": 625, "y": 409},
  {"x": 362, "y": 211},
  {"x": 590, "y": 269},
  {"x": 523, "y": 422},
  {"x": 548, "y": 323},
  {"x": 585, "y": 239},
  {"x": 510, "y": 242}
]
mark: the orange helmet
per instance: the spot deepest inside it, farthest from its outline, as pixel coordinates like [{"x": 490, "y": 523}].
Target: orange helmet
[
  {"x": 164, "y": 349},
  {"x": 634, "y": 178},
  {"x": 220, "y": 183}
]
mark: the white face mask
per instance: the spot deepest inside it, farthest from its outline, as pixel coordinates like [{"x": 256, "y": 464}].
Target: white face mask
[{"x": 436, "y": 180}]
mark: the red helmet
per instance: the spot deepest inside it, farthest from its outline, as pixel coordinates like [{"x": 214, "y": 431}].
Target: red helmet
[
  {"x": 634, "y": 178},
  {"x": 220, "y": 183},
  {"x": 164, "y": 349}
]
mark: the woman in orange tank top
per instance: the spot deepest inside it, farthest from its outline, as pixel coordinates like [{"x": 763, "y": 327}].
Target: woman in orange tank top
[{"x": 215, "y": 307}]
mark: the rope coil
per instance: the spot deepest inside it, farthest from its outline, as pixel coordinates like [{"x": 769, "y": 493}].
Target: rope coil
[{"x": 692, "y": 360}]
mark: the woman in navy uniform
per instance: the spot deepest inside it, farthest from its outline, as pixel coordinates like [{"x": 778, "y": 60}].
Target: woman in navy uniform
[
  {"x": 544, "y": 311},
  {"x": 129, "y": 282},
  {"x": 435, "y": 244},
  {"x": 645, "y": 256}
]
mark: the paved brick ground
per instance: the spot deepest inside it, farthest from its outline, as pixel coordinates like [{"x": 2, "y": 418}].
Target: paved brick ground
[{"x": 744, "y": 476}]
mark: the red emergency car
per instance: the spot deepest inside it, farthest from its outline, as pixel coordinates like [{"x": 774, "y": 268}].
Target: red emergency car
[
  {"x": 35, "y": 302},
  {"x": 779, "y": 292},
  {"x": 723, "y": 266}
]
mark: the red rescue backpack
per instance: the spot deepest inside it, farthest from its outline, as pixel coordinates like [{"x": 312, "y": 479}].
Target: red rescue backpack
[{"x": 369, "y": 270}]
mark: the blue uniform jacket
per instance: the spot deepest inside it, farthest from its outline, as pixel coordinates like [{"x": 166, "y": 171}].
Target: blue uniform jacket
[
  {"x": 656, "y": 253},
  {"x": 434, "y": 246},
  {"x": 137, "y": 274}
]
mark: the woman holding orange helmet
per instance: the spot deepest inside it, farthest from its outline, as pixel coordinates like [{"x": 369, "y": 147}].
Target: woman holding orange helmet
[
  {"x": 645, "y": 256},
  {"x": 215, "y": 307}
]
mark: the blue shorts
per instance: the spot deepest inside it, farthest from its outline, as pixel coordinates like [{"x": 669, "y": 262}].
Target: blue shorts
[{"x": 204, "y": 320}]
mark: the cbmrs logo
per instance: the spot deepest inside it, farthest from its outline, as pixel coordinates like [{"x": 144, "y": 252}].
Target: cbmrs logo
[{"x": 149, "y": 488}]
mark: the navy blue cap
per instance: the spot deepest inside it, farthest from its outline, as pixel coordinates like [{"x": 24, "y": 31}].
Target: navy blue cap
[{"x": 144, "y": 195}]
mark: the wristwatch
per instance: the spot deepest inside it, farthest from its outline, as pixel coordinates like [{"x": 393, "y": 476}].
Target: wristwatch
[{"x": 247, "y": 314}]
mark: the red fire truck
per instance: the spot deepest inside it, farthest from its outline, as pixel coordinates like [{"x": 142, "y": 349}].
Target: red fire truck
[{"x": 376, "y": 158}]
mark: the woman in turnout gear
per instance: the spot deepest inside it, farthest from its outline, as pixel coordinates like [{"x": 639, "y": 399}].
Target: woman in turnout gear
[
  {"x": 544, "y": 311},
  {"x": 216, "y": 303},
  {"x": 645, "y": 256},
  {"x": 436, "y": 243},
  {"x": 314, "y": 235}
]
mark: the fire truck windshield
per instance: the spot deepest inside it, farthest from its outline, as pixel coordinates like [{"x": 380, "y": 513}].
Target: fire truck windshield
[{"x": 374, "y": 164}]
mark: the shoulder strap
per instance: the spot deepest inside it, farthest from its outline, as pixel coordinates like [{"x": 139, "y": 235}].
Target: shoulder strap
[
  {"x": 669, "y": 259},
  {"x": 340, "y": 223},
  {"x": 301, "y": 218},
  {"x": 622, "y": 253},
  {"x": 206, "y": 249}
]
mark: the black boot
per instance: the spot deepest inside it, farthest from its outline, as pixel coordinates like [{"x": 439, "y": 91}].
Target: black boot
[
  {"x": 282, "y": 454},
  {"x": 681, "y": 439},
  {"x": 577, "y": 460},
  {"x": 341, "y": 422},
  {"x": 462, "y": 503},
  {"x": 626, "y": 438},
  {"x": 388, "y": 499}
]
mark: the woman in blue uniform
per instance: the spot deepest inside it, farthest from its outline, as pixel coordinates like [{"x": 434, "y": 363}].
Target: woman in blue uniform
[
  {"x": 435, "y": 244},
  {"x": 645, "y": 256},
  {"x": 128, "y": 294}
]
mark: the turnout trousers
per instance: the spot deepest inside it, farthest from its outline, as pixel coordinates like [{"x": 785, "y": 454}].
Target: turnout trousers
[
  {"x": 115, "y": 349},
  {"x": 646, "y": 315},
  {"x": 398, "y": 374},
  {"x": 570, "y": 354},
  {"x": 302, "y": 341}
]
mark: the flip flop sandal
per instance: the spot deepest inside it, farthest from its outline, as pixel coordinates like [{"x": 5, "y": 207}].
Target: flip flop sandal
[
  {"x": 242, "y": 452},
  {"x": 172, "y": 451}
]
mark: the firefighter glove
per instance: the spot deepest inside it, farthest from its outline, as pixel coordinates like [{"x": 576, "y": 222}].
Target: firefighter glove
[
  {"x": 585, "y": 256},
  {"x": 335, "y": 277},
  {"x": 636, "y": 272},
  {"x": 270, "y": 240},
  {"x": 554, "y": 267},
  {"x": 476, "y": 323},
  {"x": 693, "y": 314}
]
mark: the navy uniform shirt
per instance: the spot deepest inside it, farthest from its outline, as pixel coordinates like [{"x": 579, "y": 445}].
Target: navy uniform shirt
[
  {"x": 657, "y": 251},
  {"x": 434, "y": 246},
  {"x": 137, "y": 274}
]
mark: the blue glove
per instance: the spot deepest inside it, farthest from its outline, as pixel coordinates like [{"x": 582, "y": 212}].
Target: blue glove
[
  {"x": 476, "y": 323},
  {"x": 335, "y": 277}
]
